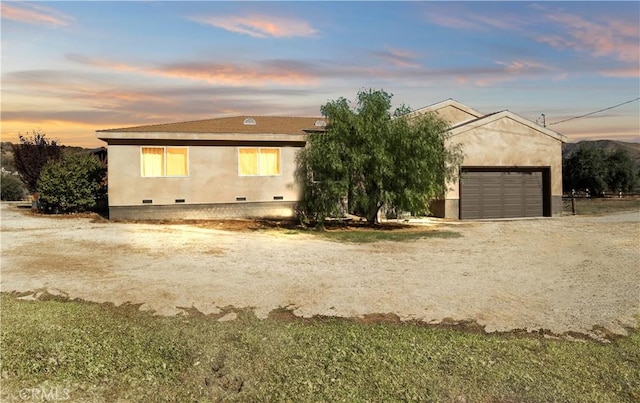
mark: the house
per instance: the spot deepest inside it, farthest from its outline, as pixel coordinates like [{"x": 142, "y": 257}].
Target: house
[
  {"x": 512, "y": 166},
  {"x": 230, "y": 167},
  {"x": 245, "y": 166}
]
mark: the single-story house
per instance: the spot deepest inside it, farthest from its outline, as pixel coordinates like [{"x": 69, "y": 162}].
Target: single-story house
[
  {"x": 245, "y": 166},
  {"x": 230, "y": 167}
]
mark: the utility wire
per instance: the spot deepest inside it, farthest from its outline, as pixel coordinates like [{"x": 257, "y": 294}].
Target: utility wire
[{"x": 592, "y": 113}]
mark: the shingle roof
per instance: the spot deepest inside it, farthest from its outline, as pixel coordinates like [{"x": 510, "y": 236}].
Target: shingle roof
[{"x": 235, "y": 124}]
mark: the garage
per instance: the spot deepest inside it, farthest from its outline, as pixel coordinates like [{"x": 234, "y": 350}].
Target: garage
[
  {"x": 504, "y": 192},
  {"x": 512, "y": 167}
]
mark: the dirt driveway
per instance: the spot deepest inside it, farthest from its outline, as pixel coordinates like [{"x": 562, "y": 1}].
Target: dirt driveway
[{"x": 566, "y": 274}]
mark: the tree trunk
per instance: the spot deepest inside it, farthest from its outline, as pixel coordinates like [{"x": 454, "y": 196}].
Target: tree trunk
[{"x": 372, "y": 217}]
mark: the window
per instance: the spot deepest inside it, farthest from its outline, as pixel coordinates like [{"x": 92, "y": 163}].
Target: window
[
  {"x": 258, "y": 161},
  {"x": 164, "y": 161}
]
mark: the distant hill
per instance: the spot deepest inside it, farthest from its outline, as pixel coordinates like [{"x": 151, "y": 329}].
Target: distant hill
[
  {"x": 7, "y": 158},
  {"x": 607, "y": 145}
]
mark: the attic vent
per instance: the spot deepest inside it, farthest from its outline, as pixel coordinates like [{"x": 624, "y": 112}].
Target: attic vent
[
  {"x": 320, "y": 123},
  {"x": 249, "y": 121}
]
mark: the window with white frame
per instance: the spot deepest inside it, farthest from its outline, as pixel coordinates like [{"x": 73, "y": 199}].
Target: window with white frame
[
  {"x": 258, "y": 161},
  {"x": 164, "y": 161}
]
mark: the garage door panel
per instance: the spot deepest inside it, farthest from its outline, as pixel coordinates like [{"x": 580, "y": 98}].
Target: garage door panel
[{"x": 501, "y": 194}]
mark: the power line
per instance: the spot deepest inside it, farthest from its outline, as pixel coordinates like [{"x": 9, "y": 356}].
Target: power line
[{"x": 592, "y": 113}]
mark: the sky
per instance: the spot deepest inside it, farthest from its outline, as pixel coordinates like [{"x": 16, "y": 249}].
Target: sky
[{"x": 71, "y": 68}]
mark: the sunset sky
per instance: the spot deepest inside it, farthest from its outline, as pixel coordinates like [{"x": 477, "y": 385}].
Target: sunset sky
[{"x": 70, "y": 68}]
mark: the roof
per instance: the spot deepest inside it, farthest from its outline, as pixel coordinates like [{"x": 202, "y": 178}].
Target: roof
[
  {"x": 492, "y": 117},
  {"x": 442, "y": 104},
  {"x": 229, "y": 125}
]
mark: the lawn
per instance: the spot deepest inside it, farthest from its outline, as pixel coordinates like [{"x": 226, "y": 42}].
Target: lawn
[
  {"x": 95, "y": 352},
  {"x": 600, "y": 206}
]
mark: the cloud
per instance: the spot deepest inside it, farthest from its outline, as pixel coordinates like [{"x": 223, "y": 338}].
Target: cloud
[
  {"x": 622, "y": 72},
  {"x": 459, "y": 18},
  {"x": 282, "y": 72},
  {"x": 607, "y": 37},
  {"x": 398, "y": 57},
  {"x": 34, "y": 14},
  {"x": 260, "y": 26}
]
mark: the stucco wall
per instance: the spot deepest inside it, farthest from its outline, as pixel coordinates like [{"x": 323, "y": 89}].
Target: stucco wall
[
  {"x": 213, "y": 178},
  {"x": 453, "y": 115},
  {"x": 507, "y": 143},
  {"x": 449, "y": 112},
  {"x": 203, "y": 211}
]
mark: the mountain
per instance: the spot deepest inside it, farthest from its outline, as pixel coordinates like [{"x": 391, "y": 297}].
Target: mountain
[{"x": 608, "y": 146}]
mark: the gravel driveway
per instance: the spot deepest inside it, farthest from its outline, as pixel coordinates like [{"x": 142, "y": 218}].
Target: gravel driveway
[{"x": 565, "y": 274}]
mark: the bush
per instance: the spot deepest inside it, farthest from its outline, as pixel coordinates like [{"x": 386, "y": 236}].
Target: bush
[
  {"x": 11, "y": 187},
  {"x": 71, "y": 184}
]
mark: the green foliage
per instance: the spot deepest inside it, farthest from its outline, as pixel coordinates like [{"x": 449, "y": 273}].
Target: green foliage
[
  {"x": 591, "y": 167},
  {"x": 6, "y": 156},
  {"x": 622, "y": 173},
  {"x": 368, "y": 158},
  {"x": 104, "y": 353},
  {"x": 73, "y": 183},
  {"x": 32, "y": 154},
  {"x": 11, "y": 188}
]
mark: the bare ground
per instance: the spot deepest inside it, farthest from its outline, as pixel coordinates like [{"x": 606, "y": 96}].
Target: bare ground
[{"x": 572, "y": 274}]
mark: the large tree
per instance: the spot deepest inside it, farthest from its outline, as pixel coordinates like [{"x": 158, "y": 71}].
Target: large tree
[
  {"x": 622, "y": 172},
  {"x": 32, "y": 154},
  {"x": 368, "y": 158},
  {"x": 590, "y": 167},
  {"x": 585, "y": 169}
]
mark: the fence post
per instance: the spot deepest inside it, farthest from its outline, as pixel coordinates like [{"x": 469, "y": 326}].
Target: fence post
[{"x": 573, "y": 204}]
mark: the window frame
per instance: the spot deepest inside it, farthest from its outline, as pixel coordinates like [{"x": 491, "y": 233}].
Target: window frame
[
  {"x": 164, "y": 160},
  {"x": 259, "y": 149}
]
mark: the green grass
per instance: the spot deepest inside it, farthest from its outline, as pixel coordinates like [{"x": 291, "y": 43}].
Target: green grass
[
  {"x": 369, "y": 235},
  {"x": 600, "y": 206},
  {"x": 101, "y": 353}
]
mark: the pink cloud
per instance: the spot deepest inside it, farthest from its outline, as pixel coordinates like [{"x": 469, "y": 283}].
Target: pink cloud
[
  {"x": 609, "y": 38},
  {"x": 214, "y": 73},
  {"x": 515, "y": 69},
  {"x": 261, "y": 26},
  {"x": 624, "y": 72},
  {"x": 36, "y": 15},
  {"x": 399, "y": 57}
]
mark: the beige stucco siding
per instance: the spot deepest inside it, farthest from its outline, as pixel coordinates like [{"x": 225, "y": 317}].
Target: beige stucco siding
[
  {"x": 508, "y": 143},
  {"x": 453, "y": 115},
  {"x": 213, "y": 178}
]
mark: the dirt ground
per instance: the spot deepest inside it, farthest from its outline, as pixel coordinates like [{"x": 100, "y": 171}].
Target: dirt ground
[{"x": 562, "y": 275}]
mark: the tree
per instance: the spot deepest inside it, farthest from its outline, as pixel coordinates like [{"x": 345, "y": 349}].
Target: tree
[
  {"x": 585, "y": 169},
  {"x": 622, "y": 172},
  {"x": 11, "y": 188},
  {"x": 368, "y": 158},
  {"x": 73, "y": 183},
  {"x": 32, "y": 154}
]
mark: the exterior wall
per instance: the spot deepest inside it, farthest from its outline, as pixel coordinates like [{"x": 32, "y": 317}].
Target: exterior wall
[
  {"x": 213, "y": 179},
  {"x": 203, "y": 211},
  {"x": 507, "y": 143},
  {"x": 450, "y": 113},
  {"x": 454, "y": 115}
]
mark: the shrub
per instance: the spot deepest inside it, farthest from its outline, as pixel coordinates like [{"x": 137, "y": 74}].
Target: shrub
[
  {"x": 11, "y": 187},
  {"x": 71, "y": 184}
]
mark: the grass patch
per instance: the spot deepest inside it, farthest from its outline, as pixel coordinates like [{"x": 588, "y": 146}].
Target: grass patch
[
  {"x": 103, "y": 353},
  {"x": 368, "y": 235},
  {"x": 601, "y": 206}
]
